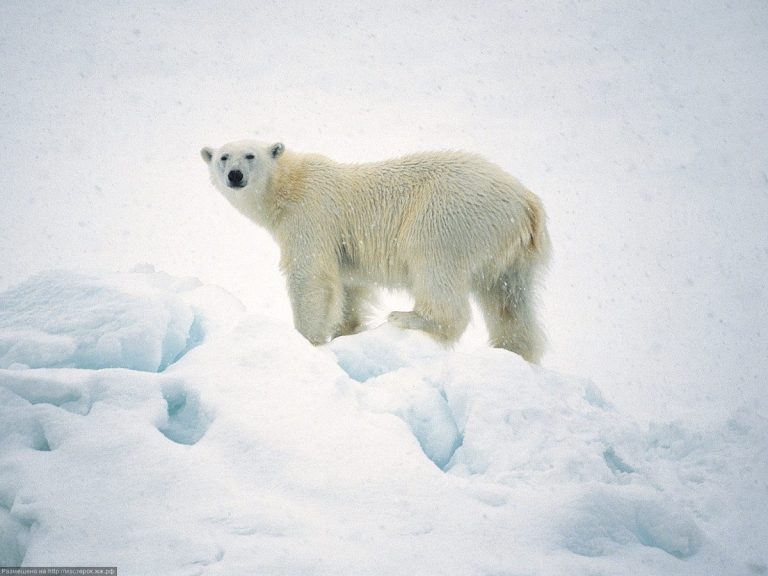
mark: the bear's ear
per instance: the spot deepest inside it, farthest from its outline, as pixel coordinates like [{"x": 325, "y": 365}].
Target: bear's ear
[
  {"x": 276, "y": 149},
  {"x": 207, "y": 154}
]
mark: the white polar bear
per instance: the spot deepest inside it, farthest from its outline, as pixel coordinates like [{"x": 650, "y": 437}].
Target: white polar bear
[{"x": 442, "y": 225}]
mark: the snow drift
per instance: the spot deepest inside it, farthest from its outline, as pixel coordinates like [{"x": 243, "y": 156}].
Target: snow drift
[
  {"x": 149, "y": 422},
  {"x": 68, "y": 320}
]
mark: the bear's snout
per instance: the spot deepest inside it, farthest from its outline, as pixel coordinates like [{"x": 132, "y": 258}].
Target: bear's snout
[{"x": 235, "y": 178}]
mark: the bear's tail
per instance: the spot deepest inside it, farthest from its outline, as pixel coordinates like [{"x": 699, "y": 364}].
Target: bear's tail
[{"x": 537, "y": 242}]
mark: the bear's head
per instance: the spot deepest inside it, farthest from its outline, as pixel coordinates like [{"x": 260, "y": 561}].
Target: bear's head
[{"x": 242, "y": 166}]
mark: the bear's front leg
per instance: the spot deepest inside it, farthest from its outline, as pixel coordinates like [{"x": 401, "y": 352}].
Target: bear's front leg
[
  {"x": 355, "y": 310},
  {"x": 317, "y": 302}
]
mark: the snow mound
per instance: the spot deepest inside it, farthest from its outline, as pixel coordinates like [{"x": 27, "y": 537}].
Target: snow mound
[
  {"x": 254, "y": 452},
  {"x": 395, "y": 368},
  {"x": 605, "y": 519},
  {"x": 59, "y": 319},
  {"x": 481, "y": 412}
]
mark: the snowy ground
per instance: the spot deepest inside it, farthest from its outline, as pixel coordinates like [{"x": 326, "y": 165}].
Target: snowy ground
[
  {"x": 252, "y": 452},
  {"x": 168, "y": 426}
]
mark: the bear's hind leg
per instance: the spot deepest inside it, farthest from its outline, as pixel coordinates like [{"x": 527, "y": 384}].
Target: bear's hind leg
[
  {"x": 508, "y": 308},
  {"x": 441, "y": 308},
  {"x": 411, "y": 320}
]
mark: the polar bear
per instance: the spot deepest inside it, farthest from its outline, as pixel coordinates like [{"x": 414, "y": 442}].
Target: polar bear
[{"x": 442, "y": 225}]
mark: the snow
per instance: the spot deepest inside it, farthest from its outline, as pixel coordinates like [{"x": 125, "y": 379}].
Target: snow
[
  {"x": 167, "y": 419},
  {"x": 44, "y": 325},
  {"x": 255, "y": 452}
]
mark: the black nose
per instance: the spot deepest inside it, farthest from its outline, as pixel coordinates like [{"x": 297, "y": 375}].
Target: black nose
[{"x": 235, "y": 176}]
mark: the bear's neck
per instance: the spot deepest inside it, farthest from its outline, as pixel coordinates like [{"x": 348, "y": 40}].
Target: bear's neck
[{"x": 287, "y": 187}]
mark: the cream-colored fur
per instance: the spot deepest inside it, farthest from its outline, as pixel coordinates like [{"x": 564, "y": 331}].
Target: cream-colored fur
[{"x": 442, "y": 225}]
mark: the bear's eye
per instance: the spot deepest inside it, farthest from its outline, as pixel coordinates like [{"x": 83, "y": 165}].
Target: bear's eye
[
  {"x": 249, "y": 156},
  {"x": 225, "y": 158}
]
